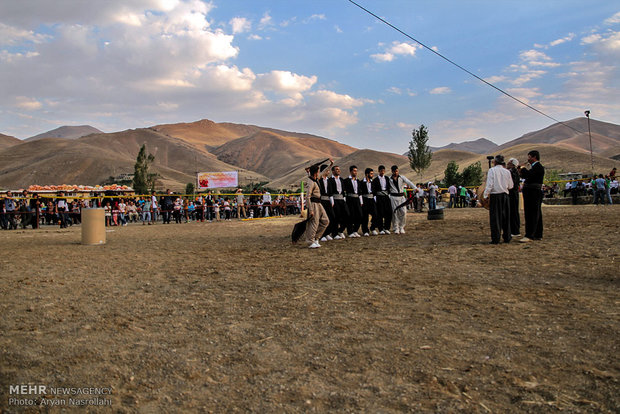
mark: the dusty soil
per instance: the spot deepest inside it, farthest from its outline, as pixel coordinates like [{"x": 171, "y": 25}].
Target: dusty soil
[{"x": 221, "y": 317}]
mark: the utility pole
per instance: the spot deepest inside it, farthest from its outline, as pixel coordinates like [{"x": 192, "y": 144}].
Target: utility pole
[{"x": 590, "y": 135}]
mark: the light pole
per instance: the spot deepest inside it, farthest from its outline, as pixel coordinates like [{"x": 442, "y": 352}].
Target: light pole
[{"x": 590, "y": 135}]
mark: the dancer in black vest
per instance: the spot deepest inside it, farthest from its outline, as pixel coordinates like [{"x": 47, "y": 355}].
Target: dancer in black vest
[
  {"x": 354, "y": 202},
  {"x": 384, "y": 207},
  {"x": 341, "y": 212},
  {"x": 369, "y": 208},
  {"x": 326, "y": 187}
]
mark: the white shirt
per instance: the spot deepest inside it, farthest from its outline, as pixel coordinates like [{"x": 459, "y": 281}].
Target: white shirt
[
  {"x": 354, "y": 183},
  {"x": 338, "y": 185},
  {"x": 499, "y": 180},
  {"x": 383, "y": 182}
]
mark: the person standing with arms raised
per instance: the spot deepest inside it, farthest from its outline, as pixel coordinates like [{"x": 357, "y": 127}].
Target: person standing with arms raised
[
  {"x": 532, "y": 197},
  {"x": 317, "y": 217}
]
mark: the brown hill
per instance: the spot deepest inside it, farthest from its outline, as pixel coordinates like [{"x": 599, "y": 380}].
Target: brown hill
[
  {"x": 8, "y": 141},
  {"x": 205, "y": 133},
  {"x": 479, "y": 146},
  {"x": 604, "y": 136},
  {"x": 92, "y": 160},
  {"x": 273, "y": 155},
  {"x": 553, "y": 157},
  {"x": 361, "y": 158},
  {"x": 67, "y": 132}
]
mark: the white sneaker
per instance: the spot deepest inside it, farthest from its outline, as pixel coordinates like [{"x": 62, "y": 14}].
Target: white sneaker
[
  {"x": 402, "y": 230},
  {"x": 387, "y": 232},
  {"x": 397, "y": 231},
  {"x": 366, "y": 234},
  {"x": 315, "y": 244},
  {"x": 328, "y": 237},
  {"x": 337, "y": 237},
  {"x": 352, "y": 236},
  {"x": 323, "y": 239},
  {"x": 382, "y": 232},
  {"x": 341, "y": 235},
  {"x": 375, "y": 233},
  {"x": 356, "y": 234}
]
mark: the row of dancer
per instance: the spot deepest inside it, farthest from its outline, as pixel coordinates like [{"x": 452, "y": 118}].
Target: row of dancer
[{"x": 336, "y": 204}]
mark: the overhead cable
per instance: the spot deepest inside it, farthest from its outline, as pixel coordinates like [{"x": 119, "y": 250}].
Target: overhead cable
[{"x": 462, "y": 68}]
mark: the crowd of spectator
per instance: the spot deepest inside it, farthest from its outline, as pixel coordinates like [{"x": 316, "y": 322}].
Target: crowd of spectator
[
  {"x": 28, "y": 209},
  {"x": 65, "y": 210}
]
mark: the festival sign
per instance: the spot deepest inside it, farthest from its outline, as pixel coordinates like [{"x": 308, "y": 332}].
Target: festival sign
[{"x": 224, "y": 179}]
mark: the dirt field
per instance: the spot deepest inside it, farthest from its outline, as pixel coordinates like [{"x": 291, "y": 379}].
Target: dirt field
[{"x": 224, "y": 317}]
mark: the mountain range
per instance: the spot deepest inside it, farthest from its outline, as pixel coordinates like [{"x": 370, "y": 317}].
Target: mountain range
[{"x": 84, "y": 155}]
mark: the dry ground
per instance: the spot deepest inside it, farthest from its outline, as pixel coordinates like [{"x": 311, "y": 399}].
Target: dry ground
[{"x": 228, "y": 317}]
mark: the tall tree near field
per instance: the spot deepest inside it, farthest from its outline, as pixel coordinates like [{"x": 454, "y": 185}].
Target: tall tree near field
[
  {"x": 420, "y": 154},
  {"x": 472, "y": 175},
  {"x": 452, "y": 175},
  {"x": 141, "y": 176}
]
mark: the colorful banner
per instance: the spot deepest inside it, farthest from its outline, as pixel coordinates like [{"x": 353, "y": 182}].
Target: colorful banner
[{"x": 224, "y": 179}]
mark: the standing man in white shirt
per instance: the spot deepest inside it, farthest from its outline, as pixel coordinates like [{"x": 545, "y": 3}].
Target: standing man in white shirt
[{"x": 499, "y": 182}]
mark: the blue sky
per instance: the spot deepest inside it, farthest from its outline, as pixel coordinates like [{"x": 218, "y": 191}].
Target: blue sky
[{"x": 323, "y": 66}]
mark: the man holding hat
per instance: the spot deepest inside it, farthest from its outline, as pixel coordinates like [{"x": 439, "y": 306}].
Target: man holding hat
[{"x": 499, "y": 182}]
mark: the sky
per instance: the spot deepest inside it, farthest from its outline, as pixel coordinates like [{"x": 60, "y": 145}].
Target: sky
[{"x": 323, "y": 67}]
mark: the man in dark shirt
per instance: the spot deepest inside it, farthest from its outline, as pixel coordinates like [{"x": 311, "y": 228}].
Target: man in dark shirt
[
  {"x": 354, "y": 204},
  {"x": 532, "y": 197}
]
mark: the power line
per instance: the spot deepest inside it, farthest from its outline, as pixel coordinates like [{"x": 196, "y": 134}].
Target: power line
[{"x": 462, "y": 68}]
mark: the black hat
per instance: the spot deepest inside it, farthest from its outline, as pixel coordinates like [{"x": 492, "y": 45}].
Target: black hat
[{"x": 499, "y": 159}]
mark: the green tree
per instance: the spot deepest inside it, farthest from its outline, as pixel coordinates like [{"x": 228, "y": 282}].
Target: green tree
[
  {"x": 190, "y": 188},
  {"x": 142, "y": 179},
  {"x": 420, "y": 154},
  {"x": 452, "y": 175},
  {"x": 472, "y": 176}
]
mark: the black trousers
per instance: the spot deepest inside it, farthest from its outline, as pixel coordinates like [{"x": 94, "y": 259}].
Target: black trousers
[
  {"x": 515, "y": 220},
  {"x": 332, "y": 227},
  {"x": 532, "y": 201},
  {"x": 384, "y": 212},
  {"x": 369, "y": 210},
  {"x": 341, "y": 212},
  {"x": 355, "y": 214},
  {"x": 499, "y": 217}
]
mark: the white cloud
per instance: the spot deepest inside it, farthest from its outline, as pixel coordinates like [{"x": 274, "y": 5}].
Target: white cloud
[
  {"x": 12, "y": 35},
  {"x": 496, "y": 79},
  {"x": 315, "y": 17},
  {"x": 565, "y": 39},
  {"x": 533, "y": 55},
  {"x": 395, "y": 90},
  {"x": 613, "y": 19},
  {"x": 27, "y": 103},
  {"x": 338, "y": 29},
  {"x": 265, "y": 21},
  {"x": 442, "y": 90},
  {"x": 285, "y": 81},
  {"x": 394, "y": 50},
  {"x": 240, "y": 25},
  {"x": 255, "y": 37},
  {"x": 327, "y": 98},
  {"x": 593, "y": 38}
]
